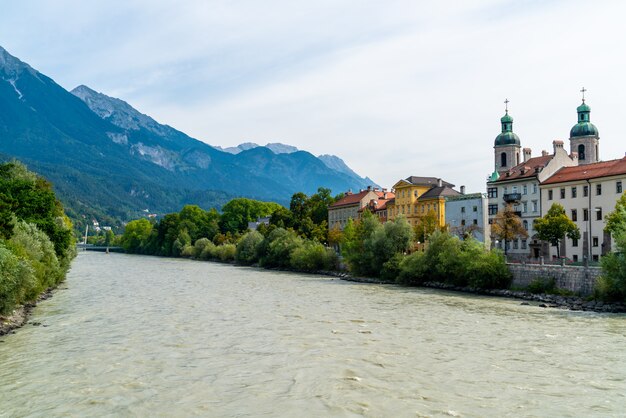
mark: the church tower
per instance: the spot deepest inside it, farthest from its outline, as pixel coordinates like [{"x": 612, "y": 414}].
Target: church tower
[
  {"x": 583, "y": 137},
  {"x": 507, "y": 145}
]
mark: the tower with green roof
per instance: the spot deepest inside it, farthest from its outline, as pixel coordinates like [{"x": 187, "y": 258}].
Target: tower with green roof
[
  {"x": 507, "y": 144},
  {"x": 583, "y": 137}
]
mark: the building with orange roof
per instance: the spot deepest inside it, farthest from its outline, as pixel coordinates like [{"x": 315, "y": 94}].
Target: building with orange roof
[
  {"x": 588, "y": 193},
  {"x": 348, "y": 207}
]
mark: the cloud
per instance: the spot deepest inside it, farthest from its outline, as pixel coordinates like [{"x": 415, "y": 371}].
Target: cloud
[{"x": 396, "y": 89}]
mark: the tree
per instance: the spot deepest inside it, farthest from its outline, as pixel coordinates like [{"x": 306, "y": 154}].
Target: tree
[
  {"x": 555, "y": 226},
  {"x": 507, "y": 226},
  {"x": 238, "y": 212},
  {"x": 136, "y": 235},
  {"x": 616, "y": 220},
  {"x": 427, "y": 225}
]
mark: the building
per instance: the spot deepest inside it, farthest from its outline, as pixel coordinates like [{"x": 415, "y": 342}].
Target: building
[
  {"x": 517, "y": 182},
  {"x": 588, "y": 193},
  {"x": 254, "y": 225},
  {"x": 466, "y": 214},
  {"x": 348, "y": 207},
  {"x": 378, "y": 207},
  {"x": 417, "y": 196}
]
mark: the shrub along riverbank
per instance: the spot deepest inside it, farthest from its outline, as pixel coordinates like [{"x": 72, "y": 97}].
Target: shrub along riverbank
[
  {"x": 36, "y": 240},
  {"x": 369, "y": 248}
]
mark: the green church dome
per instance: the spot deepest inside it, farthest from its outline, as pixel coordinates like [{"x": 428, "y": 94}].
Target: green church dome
[
  {"x": 584, "y": 127},
  {"x": 507, "y": 138}
]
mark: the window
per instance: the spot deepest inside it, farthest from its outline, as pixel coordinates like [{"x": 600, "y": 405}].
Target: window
[
  {"x": 525, "y": 207},
  {"x": 598, "y": 214},
  {"x": 525, "y": 223},
  {"x": 503, "y": 159},
  {"x": 475, "y": 209},
  {"x": 574, "y": 192},
  {"x": 618, "y": 187},
  {"x": 534, "y": 206},
  {"x": 562, "y": 193},
  {"x": 492, "y": 192},
  {"x": 585, "y": 191},
  {"x": 463, "y": 222},
  {"x": 585, "y": 214},
  {"x": 595, "y": 241},
  {"x": 596, "y": 258},
  {"x": 493, "y": 209},
  {"x": 415, "y": 193},
  {"x": 534, "y": 188},
  {"x": 549, "y": 194},
  {"x": 574, "y": 242},
  {"x": 524, "y": 244},
  {"x": 463, "y": 209},
  {"x": 581, "y": 152},
  {"x": 598, "y": 189},
  {"x": 514, "y": 189},
  {"x": 525, "y": 189},
  {"x": 475, "y": 222},
  {"x": 515, "y": 245},
  {"x": 505, "y": 190},
  {"x": 574, "y": 215},
  {"x": 575, "y": 258}
]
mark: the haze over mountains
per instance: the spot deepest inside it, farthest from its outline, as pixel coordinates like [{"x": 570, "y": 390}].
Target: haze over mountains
[{"x": 105, "y": 157}]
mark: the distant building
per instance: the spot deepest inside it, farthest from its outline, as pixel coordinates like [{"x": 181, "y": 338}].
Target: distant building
[
  {"x": 378, "y": 207},
  {"x": 418, "y": 196},
  {"x": 466, "y": 215},
  {"x": 588, "y": 193},
  {"x": 252, "y": 226},
  {"x": 348, "y": 207}
]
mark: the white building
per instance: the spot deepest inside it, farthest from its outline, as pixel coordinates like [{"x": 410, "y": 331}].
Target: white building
[
  {"x": 588, "y": 193},
  {"x": 467, "y": 215}
]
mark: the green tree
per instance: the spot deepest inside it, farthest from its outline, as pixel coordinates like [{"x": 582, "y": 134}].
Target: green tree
[
  {"x": 616, "y": 220},
  {"x": 136, "y": 235},
  {"x": 555, "y": 226},
  {"x": 238, "y": 212},
  {"x": 427, "y": 225},
  {"x": 507, "y": 226}
]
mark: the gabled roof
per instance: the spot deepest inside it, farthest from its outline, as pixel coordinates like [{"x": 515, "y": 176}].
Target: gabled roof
[
  {"x": 588, "y": 171},
  {"x": 439, "y": 192},
  {"x": 524, "y": 170},
  {"x": 423, "y": 181},
  {"x": 352, "y": 199}
]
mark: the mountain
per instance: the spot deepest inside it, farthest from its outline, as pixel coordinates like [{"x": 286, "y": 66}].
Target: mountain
[
  {"x": 105, "y": 158},
  {"x": 331, "y": 161}
]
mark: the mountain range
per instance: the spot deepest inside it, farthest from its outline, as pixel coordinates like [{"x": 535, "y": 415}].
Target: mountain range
[{"x": 108, "y": 160}]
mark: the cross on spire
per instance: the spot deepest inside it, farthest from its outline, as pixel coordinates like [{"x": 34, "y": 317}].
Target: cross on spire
[
  {"x": 583, "y": 92},
  {"x": 506, "y": 105}
]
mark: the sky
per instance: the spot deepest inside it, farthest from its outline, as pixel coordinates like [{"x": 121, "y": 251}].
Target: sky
[{"x": 395, "y": 88}]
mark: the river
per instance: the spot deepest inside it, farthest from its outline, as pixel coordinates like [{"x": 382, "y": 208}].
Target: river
[{"x": 144, "y": 336}]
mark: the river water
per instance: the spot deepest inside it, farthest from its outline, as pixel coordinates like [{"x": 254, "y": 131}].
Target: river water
[{"x": 143, "y": 336}]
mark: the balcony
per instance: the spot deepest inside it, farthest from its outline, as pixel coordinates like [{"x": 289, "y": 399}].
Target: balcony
[{"x": 512, "y": 197}]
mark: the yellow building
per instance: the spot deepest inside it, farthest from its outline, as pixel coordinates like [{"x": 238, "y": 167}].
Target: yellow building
[{"x": 417, "y": 196}]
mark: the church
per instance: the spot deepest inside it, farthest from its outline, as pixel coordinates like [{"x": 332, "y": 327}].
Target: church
[{"x": 518, "y": 177}]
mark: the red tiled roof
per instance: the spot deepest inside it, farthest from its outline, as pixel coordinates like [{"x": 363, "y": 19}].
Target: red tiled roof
[
  {"x": 588, "y": 171},
  {"x": 355, "y": 198},
  {"x": 526, "y": 169}
]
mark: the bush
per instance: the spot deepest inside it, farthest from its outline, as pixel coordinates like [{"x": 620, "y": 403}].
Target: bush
[
  {"x": 313, "y": 256},
  {"x": 488, "y": 270},
  {"x": 413, "y": 270},
  {"x": 611, "y": 286},
  {"x": 247, "y": 248},
  {"x": 188, "y": 251},
  {"x": 391, "y": 268},
  {"x": 226, "y": 252},
  {"x": 208, "y": 250},
  {"x": 275, "y": 250},
  {"x": 542, "y": 285},
  {"x": 16, "y": 277}
]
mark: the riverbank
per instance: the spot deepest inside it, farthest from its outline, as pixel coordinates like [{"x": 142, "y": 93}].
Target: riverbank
[
  {"x": 543, "y": 300},
  {"x": 20, "y": 315}
]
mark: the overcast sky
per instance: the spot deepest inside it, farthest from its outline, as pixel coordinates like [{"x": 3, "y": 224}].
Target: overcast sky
[{"x": 395, "y": 87}]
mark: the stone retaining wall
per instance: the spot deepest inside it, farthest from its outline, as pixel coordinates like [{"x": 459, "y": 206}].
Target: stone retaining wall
[{"x": 574, "y": 278}]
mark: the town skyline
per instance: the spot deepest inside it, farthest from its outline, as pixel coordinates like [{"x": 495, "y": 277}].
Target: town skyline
[{"x": 401, "y": 90}]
